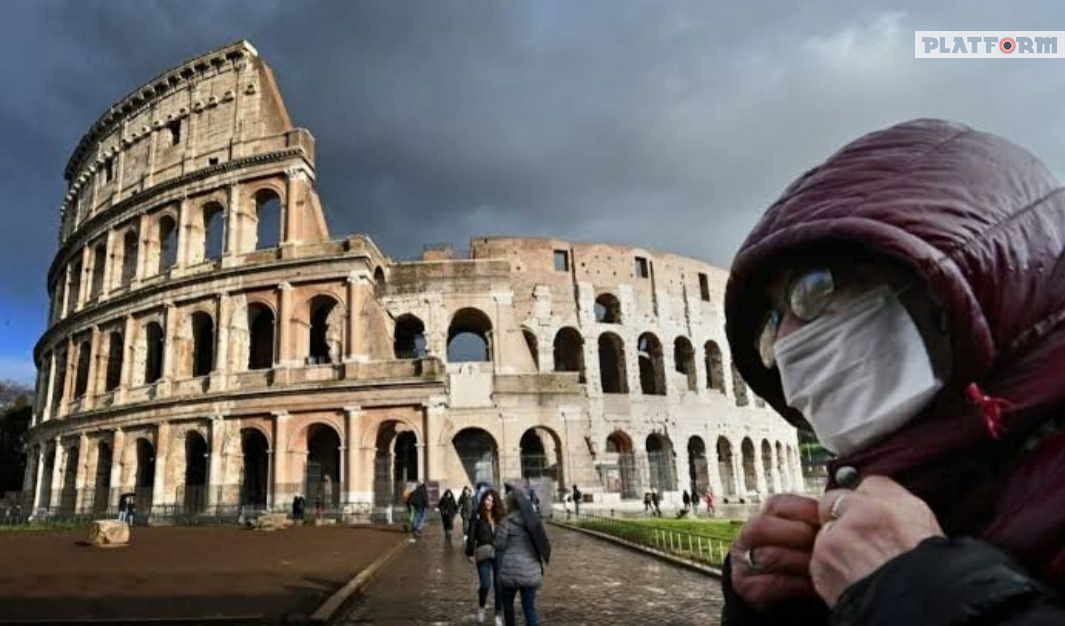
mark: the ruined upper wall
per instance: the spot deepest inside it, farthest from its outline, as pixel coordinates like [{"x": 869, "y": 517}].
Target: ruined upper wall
[{"x": 207, "y": 111}]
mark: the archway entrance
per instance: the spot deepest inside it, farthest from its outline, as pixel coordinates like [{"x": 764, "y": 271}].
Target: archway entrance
[
  {"x": 660, "y": 463},
  {"x": 102, "y": 483},
  {"x": 195, "y": 486},
  {"x": 698, "y": 469},
  {"x": 255, "y": 476},
  {"x": 322, "y": 476},
  {"x": 478, "y": 453},
  {"x": 621, "y": 475},
  {"x": 145, "y": 478},
  {"x": 724, "y": 467},
  {"x": 395, "y": 462}
]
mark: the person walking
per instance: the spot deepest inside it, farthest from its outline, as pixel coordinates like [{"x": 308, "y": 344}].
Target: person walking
[
  {"x": 577, "y": 496},
  {"x": 687, "y": 499},
  {"x": 655, "y": 501},
  {"x": 123, "y": 507},
  {"x": 647, "y": 502},
  {"x": 448, "y": 508},
  {"x": 710, "y": 499},
  {"x": 480, "y": 549},
  {"x": 465, "y": 506},
  {"x": 419, "y": 501},
  {"x": 695, "y": 502},
  {"x": 522, "y": 548}
]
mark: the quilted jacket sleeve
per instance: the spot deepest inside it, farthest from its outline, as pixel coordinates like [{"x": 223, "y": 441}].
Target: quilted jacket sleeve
[{"x": 952, "y": 582}]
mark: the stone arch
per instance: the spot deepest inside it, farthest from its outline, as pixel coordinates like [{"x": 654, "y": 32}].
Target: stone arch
[
  {"x": 101, "y": 498},
  {"x": 541, "y": 454},
  {"x": 613, "y": 374},
  {"x": 698, "y": 469},
  {"x": 325, "y": 315},
  {"x": 660, "y": 462},
  {"x": 607, "y": 309},
  {"x": 396, "y": 461},
  {"x": 81, "y": 380},
  {"x": 469, "y": 337},
  {"x": 619, "y": 473},
  {"x": 195, "y": 486},
  {"x": 725, "y": 467},
  {"x": 255, "y": 467},
  {"x": 569, "y": 351},
  {"x": 652, "y": 370},
  {"x": 207, "y": 232},
  {"x": 115, "y": 351},
  {"x": 202, "y": 326},
  {"x": 409, "y": 337},
  {"x": 144, "y": 477},
  {"x": 715, "y": 370},
  {"x": 153, "y": 352},
  {"x": 533, "y": 345},
  {"x": 750, "y": 474},
  {"x": 267, "y": 219},
  {"x": 68, "y": 495},
  {"x": 130, "y": 245},
  {"x": 479, "y": 454},
  {"x": 165, "y": 241},
  {"x": 60, "y": 379},
  {"x": 261, "y": 330},
  {"x": 379, "y": 281},
  {"x": 684, "y": 361}
]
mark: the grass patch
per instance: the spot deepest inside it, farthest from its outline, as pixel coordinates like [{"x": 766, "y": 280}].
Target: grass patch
[
  {"x": 705, "y": 541},
  {"x": 34, "y": 527}
]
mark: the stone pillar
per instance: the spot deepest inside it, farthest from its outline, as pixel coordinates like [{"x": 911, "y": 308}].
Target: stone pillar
[
  {"x": 759, "y": 471},
  {"x": 92, "y": 386},
  {"x": 109, "y": 264},
  {"x": 282, "y": 495},
  {"x": 57, "y": 475},
  {"x": 160, "y": 495},
  {"x": 81, "y": 480},
  {"x": 799, "y": 482},
  {"x": 170, "y": 334},
  {"x": 283, "y": 354},
  {"x": 184, "y": 231},
  {"x": 68, "y": 306},
  {"x": 232, "y": 223},
  {"x": 214, "y": 473},
  {"x": 739, "y": 475},
  {"x": 219, "y": 376},
  {"x": 360, "y": 290},
  {"x": 502, "y": 300},
  {"x": 434, "y": 415},
  {"x": 143, "y": 246},
  {"x": 351, "y": 439},
  {"x": 291, "y": 210},
  {"x": 128, "y": 357},
  {"x": 86, "y": 277},
  {"x": 50, "y": 384},
  {"x": 118, "y": 465},
  {"x": 775, "y": 469},
  {"x": 38, "y": 479}
]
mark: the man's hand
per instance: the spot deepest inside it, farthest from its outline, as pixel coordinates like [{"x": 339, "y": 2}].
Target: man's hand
[
  {"x": 780, "y": 542},
  {"x": 863, "y": 529}
]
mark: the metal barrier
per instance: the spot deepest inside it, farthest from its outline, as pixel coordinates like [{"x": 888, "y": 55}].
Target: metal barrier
[{"x": 691, "y": 546}]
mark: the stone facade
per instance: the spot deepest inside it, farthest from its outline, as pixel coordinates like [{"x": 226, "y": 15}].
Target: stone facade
[{"x": 210, "y": 345}]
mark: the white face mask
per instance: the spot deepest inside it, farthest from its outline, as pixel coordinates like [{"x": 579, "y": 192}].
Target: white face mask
[{"x": 859, "y": 373}]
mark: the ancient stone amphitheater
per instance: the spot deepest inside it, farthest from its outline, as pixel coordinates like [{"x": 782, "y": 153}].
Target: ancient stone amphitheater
[{"x": 212, "y": 347}]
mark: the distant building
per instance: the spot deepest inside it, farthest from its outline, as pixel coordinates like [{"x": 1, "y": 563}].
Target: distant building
[{"x": 210, "y": 344}]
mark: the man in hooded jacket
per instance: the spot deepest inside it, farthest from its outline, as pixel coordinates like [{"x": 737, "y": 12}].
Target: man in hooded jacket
[{"x": 905, "y": 300}]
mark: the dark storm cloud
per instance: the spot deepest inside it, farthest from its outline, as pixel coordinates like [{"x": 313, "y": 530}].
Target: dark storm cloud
[{"x": 670, "y": 125}]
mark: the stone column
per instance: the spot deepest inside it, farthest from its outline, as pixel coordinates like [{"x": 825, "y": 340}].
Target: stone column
[
  {"x": 67, "y": 307},
  {"x": 219, "y": 376},
  {"x": 109, "y": 264},
  {"x": 57, "y": 475},
  {"x": 351, "y": 439},
  {"x": 81, "y": 480},
  {"x": 759, "y": 471},
  {"x": 214, "y": 475},
  {"x": 184, "y": 229},
  {"x": 775, "y": 469},
  {"x": 50, "y": 384},
  {"x": 86, "y": 276},
  {"x": 739, "y": 475},
  {"x": 232, "y": 223},
  {"x": 283, "y": 354},
  {"x": 160, "y": 488},
  {"x": 169, "y": 354},
  {"x": 92, "y": 387},
  {"x": 143, "y": 247},
  {"x": 118, "y": 462},
  {"x": 799, "y": 482},
  {"x": 360, "y": 289},
  {"x": 434, "y": 415},
  {"x": 128, "y": 357},
  {"x": 282, "y": 495},
  {"x": 502, "y": 300},
  {"x": 292, "y": 208},
  {"x": 38, "y": 479}
]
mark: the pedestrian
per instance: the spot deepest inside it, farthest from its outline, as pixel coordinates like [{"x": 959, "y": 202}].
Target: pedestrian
[
  {"x": 131, "y": 509},
  {"x": 448, "y": 508},
  {"x": 655, "y": 501},
  {"x": 523, "y": 548},
  {"x": 566, "y": 500},
  {"x": 695, "y": 502},
  {"x": 710, "y": 508},
  {"x": 123, "y": 507},
  {"x": 647, "y": 502},
  {"x": 297, "y": 514},
  {"x": 535, "y": 501},
  {"x": 903, "y": 302},
  {"x": 465, "y": 506},
  {"x": 480, "y": 549},
  {"x": 577, "y": 496},
  {"x": 419, "y": 501},
  {"x": 687, "y": 499},
  {"x": 408, "y": 525}
]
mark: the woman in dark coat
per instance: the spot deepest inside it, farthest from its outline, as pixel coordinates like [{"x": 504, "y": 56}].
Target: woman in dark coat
[
  {"x": 905, "y": 300},
  {"x": 448, "y": 507},
  {"x": 522, "y": 549},
  {"x": 480, "y": 549}
]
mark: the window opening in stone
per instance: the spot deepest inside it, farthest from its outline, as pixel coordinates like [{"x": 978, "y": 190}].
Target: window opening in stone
[
  {"x": 268, "y": 219},
  {"x": 99, "y": 265},
  {"x": 750, "y": 474},
  {"x": 255, "y": 454},
  {"x": 202, "y": 344},
  {"x": 652, "y": 372},
  {"x": 145, "y": 477},
  {"x": 698, "y": 468},
  {"x": 704, "y": 287},
  {"x": 167, "y": 243},
  {"x": 561, "y": 261},
  {"x": 68, "y": 495},
  {"x": 569, "y": 352},
  {"x": 115, "y": 351},
  {"x": 478, "y": 454},
  {"x": 468, "y": 337},
  {"x": 75, "y": 287},
  {"x": 409, "y": 339},
  {"x": 212, "y": 161},
  {"x": 767, "y": 466},
  {"x": 405, "y": 466},
  {"x": 261, "y": 344},
  {"x": 322, "y": 476},
  {"x": 612, "y": 370},
  {"x": 684, "y": 361},
  {"x": 607, "y": 309},
  {"x": 660, "y": 463},
  {"x": 81, "y": 384},
  {"x": 739, "y": 387},
  {"x": 641, "y": 268},
  {"x": 621, "y": 475},
  {"x": 326, "y": 332},
  {"x": 715, "y": 371},
  {"x": 109, "y": 170},
  {"x": 102, "y": 481},
  {"x": 175, "y": 132},
  {"x": 129, "y": 256},
  {"x": 531, "y": 344},
  {"x": 725, "y": 468},
  {"x": 153, "y": 362},
  {"x": 214, "y": 230},
  {"x": 195, "y": 496}
]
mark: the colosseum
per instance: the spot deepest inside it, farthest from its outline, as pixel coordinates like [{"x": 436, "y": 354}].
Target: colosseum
[{"x": 212, "y": 347}]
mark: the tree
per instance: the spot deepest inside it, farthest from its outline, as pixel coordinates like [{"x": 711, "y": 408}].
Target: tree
[{"x": 14, "y": 394}]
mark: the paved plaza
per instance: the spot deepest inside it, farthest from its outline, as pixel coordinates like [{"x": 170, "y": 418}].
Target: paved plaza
[{"x": 589, "y": 581}]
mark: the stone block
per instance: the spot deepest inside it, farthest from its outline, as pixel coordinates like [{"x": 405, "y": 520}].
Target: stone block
[{"x": 109, "y": 534}]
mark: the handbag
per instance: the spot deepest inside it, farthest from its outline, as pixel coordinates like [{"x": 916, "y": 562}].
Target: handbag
[{"x": 484, "y": 552}]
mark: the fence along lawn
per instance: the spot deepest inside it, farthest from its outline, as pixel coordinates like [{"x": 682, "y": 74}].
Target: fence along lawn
[{"x": 706, "y": 541}]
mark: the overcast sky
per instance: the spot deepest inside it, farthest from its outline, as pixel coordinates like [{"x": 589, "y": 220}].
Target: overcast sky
[{"x": 669, "y": 125}]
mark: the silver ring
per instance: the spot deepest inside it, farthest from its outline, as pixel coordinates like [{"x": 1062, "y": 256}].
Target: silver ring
[
  {"x": 837, "y": 507},
  {"x": 751, "y": 563}
]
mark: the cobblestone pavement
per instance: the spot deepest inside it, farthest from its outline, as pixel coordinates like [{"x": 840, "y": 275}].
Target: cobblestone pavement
[{"x": 589, "y": 581}]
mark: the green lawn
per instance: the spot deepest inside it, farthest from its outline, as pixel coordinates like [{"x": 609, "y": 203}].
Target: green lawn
[
  {"x": 700, "y": 540},
  {"x": 33, "y": 527}
]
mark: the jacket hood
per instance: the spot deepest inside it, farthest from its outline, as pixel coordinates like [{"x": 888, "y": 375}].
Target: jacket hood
[{"x": 977, "y": 219}]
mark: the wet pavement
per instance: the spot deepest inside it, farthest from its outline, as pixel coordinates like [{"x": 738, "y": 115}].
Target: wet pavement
[{"x": 589, "y": 581}]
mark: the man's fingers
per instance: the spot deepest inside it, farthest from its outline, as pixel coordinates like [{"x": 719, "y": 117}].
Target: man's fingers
[
  {"x": 792, "y": 507},
  {"x": 882, "y": 487},
  {"x": 775, "y": 561},
  {"x": 764, "y": 591},
  {"x": 763, "y": 530},
  {"x": 834, "y": 503}
]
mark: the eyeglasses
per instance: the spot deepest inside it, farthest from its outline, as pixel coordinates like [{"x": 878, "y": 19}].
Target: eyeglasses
[{"x": 806, "y": 297}]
